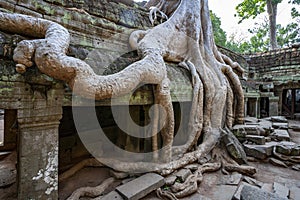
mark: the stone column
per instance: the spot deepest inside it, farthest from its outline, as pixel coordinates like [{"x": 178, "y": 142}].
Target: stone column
[
  {"x": 245, "y": 106},
  {"x": 273, "y": 106},
  {"x": 38, "y": 144}
]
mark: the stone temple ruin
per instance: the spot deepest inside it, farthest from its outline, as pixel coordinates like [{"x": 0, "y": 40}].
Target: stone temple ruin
[{"x": 39, "y": 140}]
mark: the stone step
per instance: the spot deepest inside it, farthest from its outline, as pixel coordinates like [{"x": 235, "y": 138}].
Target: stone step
[
  {"x": 267, "y": 187},
  {"x": 140, "y": 186}
]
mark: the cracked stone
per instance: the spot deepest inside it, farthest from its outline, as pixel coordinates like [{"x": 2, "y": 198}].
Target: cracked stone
[
  {"x": 251, "y": 192},
  {"x": 281, "y": 135},
  {"x": 141, "y": 186},
  {"x": 283, "y": 126},
  {"x": 257, "y": 139}
]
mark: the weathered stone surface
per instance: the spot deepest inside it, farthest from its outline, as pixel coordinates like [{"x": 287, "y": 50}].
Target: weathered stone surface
[
  {"x": 280, "y": 119},
  {"x": 251, "y": 120},
  {"x": 281, "y": 135},
  {"x": 242, "y": 130},
  {"x": 267, "y": 187},
  {"x": 252, "y": 181},
  {"x": 111, "y": 196},
  {"x": 8, "y": 174},
  {"x": 255, "y": 151},
  {"x": 234, "y": 148},
  {"x": 251, "y": 192},
  {"x": 257, "y": 139},
  {"x": 267, "y": 127},
  {"x": 295, "y": 127},
  {"x": 277, "y": 162},
  {"x": 182, "y": 174},
  {"x": 170, "y": 180},
  {"x": 281, "y": 190},
  {"x": 287, "y": 148},
  {"x": 294, "y": 193},
  {"x": 140, "y": 186},
  {"x": 280, "y": 126},
  {"x": 237, "y": 194}
]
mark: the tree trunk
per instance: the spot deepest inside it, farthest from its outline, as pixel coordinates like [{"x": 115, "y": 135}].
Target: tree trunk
[
  {"x": 185, "y": 38},
  {"x": 272, "y": 12}
]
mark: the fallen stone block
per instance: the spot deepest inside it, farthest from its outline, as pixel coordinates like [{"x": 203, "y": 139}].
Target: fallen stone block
[
  {"x": 140, "y": 186},
  {"x": 255, "y": 151},
  {"x": 267, "y": 128},
  {"x": 237, "y": 194},
  {"x": 250, "y": 120},
  {"x": 257, "y": 139},
  {"x": 281, "y": 135},
  {"x": 287, "y": 148},
  {"x": 281, "y": 190},
  {"x": 283, "y": 126},
  {"x": 295, "y": 128},
  {"x": 280, "y": 119},
  {"x": 294, "y": 193},
  {"x": 182, "y": 174},
  {"x": 251, "y": 192},
  {"x": 170, "y": 180},
  {"x": 276, "y": 162}
]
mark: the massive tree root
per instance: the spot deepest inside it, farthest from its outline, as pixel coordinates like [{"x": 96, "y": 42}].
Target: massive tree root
[{"x": 186, "y": 38}]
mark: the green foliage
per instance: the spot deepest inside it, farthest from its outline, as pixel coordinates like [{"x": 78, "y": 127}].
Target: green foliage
[
  {"x": 250, "y": 9},
  {"x": 259, "y": 42},
  {"x": 219, "y": 33}
]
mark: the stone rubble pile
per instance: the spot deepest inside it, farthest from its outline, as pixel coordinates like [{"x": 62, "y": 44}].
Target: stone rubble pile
[{"x": 269, "y": 139}]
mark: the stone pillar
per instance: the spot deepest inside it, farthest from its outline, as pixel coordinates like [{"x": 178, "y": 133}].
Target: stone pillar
[
  {"x": 245, "y": 106},
  {"x": 273, "y": 106},
  {"x": 257, "y": 112},
  {"x": 38, "y": 144}
]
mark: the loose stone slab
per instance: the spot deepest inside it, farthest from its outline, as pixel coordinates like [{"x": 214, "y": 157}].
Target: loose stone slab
[
  {"x": 182, "y": 174},
  {"x": 255, "y": 151},
  {"x": 252, "y": 192},
  {"x": 280, "y": 126},
  {"x": 281, "y": 119},
  {"x": 288, "y": 148},
  {"x": 141, "y": 186},
  {"x": 281, "y": 190},
  {"x": 257, "y": 139},
  {"x": 281, "y": 135},
  {"x": 237, "y": 194}
]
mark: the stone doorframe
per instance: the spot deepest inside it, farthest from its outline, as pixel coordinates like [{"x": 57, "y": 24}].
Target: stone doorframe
[{"x": 39, "y": 109}]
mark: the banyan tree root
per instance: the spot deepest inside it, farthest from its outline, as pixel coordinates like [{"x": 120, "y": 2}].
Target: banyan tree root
[
  {"x": 91, "y": 191},
  {"x": 90, "y": 162},
  {"x": 186, "y": 37}
]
